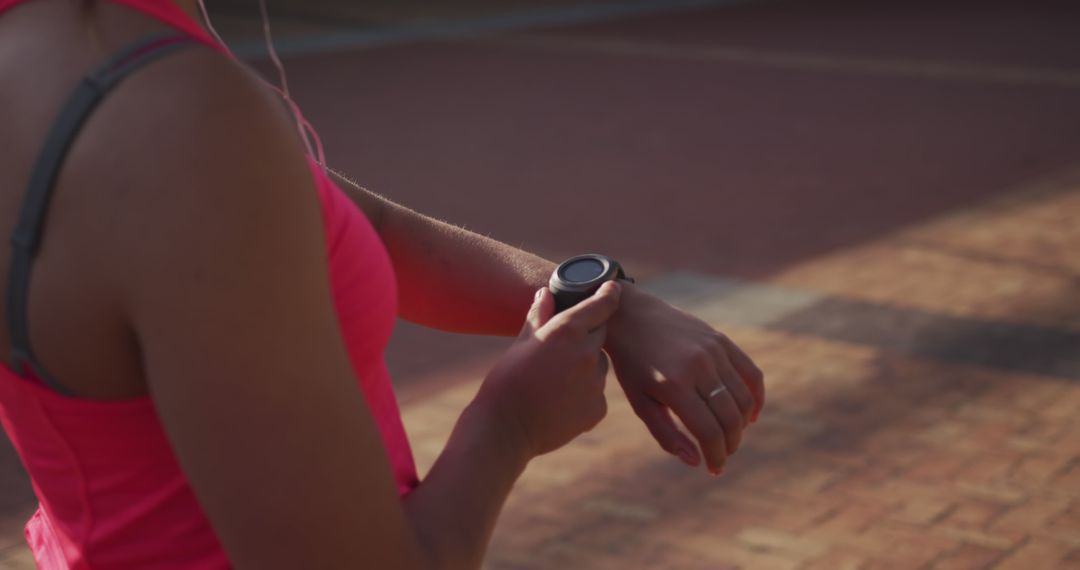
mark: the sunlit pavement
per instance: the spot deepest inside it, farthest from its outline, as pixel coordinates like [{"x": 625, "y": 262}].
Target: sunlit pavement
[
  {"x": 880, "y": 201},
  {"x": 923, "y": 414}
]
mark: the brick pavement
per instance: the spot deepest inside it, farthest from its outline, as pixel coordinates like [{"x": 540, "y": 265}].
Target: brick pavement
[{"x": 868, "y": 456}]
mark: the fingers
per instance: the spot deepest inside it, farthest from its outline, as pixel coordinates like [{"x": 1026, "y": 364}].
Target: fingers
[
  {"x": 704, "y": 373},
  {"x": 727, "y": 413},
  {"x": 702, "y": 423},
  {"x": 602, "y": 365},
  {"x": 596, "y": 310},
  {"x": 704, "y": 386},
  {"x": 540, "y": 312},
  {"x": 736, "y": 388},
  {"x": 596, "y": 384},
  {"x": 657, "y": 419},
  {"x": 750, "y": 373},
  {"x": 594, "y": 339}
]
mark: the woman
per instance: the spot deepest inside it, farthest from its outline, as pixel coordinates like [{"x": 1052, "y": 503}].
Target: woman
[{"x": 184, "y": 361}]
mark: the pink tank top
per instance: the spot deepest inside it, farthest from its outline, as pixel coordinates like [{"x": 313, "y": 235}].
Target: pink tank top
[{"x": 111, "y": 492}]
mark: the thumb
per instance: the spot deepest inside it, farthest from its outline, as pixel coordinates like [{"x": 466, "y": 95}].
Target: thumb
[{"x": 542, "y": 309}]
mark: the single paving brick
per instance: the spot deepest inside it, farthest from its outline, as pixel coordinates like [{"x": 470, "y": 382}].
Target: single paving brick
[
  {"x": 968, "y": 557},
  {"x": 1000, "y": 540},
  {"x": 837, "y": 559},
  {"x": 1032, "y": 514},
  {"x": 1068, "y": 482},
  {"x": 1036, "y": 553},
  {"x": 973, "y": 513},
  {"x": 997, "y": 494},
  {"x": 921, "y": 511},
  {"x": 1041, "y": 468},
  {"x": 771, "y": 540}
]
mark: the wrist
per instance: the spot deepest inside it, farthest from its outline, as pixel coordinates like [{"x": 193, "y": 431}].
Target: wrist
[
  {"x": 493, "y": 432},
  {"x": 632, "y": 299}
]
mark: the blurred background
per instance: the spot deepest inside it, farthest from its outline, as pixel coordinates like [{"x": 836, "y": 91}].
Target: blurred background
[{"x": 879, "y": 200}]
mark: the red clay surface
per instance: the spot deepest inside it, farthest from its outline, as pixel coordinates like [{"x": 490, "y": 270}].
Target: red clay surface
[
  {"x": 726, "y": 168},
  {"x": 1038, "y": 33}
]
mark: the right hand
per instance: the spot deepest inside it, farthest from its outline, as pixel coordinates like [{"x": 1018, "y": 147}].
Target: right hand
[{"x": 548, "y": 387}]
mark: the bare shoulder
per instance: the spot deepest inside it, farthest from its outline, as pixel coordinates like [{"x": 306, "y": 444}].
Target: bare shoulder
[
  {"x": 194, "y": 114},
  {"x": 193, "y": 156},
  {"x": 189, "y": 167}
]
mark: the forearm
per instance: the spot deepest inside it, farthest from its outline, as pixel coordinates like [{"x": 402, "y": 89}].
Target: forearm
[
  {"x": 456, "y": 280},
  {"x": 453, "y": 512},
  {"x": 450, "y": 278}
]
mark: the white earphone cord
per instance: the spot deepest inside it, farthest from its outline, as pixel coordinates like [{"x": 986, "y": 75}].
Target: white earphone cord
[{"x": 303, "y": 127}]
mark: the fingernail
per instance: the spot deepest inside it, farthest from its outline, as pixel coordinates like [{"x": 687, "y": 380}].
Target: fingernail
[
  {"x": 716, "y": 472},
  {"x": 539, "y": 293}
]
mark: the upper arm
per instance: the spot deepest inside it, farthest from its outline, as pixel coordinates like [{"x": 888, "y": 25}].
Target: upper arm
[
  {"x": 373, "y": 205},
  {"x": 230, "y": 300}
]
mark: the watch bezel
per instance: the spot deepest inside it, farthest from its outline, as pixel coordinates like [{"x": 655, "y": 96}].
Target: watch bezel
[{"x": 610, "y": 272}]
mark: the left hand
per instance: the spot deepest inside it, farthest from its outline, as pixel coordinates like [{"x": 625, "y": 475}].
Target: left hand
[{"x": 669, "y": 361}]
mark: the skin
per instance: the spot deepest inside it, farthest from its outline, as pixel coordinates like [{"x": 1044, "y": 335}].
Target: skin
[
  {"x": 666, "y": 360},
  {"x": 178, "y": 314}
]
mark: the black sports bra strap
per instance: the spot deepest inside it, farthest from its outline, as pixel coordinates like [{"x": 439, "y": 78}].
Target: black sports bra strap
[{"x": 26, "y": 238}]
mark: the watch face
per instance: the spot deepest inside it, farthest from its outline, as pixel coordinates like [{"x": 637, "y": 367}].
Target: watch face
[{"x": 583, "y": 271}]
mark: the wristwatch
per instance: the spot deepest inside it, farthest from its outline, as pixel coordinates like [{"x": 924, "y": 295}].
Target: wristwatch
[{"x": 577, "y": 278}]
